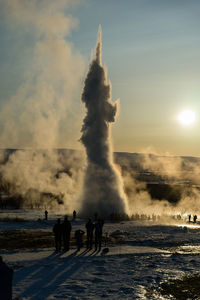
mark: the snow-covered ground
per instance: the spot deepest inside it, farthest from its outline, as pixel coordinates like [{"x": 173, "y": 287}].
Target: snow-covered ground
[{"x": 141, "y": 255}]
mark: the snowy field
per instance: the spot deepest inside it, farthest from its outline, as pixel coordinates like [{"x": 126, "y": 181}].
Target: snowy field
[{"x": 141, "y": 256}]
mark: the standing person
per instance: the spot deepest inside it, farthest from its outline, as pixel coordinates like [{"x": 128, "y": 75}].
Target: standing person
[
  {"x": 98, "y": 234},
  {"x": 74, "y": 215},
  {"x": 57, "y": 229},
  {"x": 195, "y": 218},
  {"x": 90, "y": 228},
  {"x": 189, "y": 216},
  {"x": 6, "y": 277},
  {"x": 67, "y": 227},
  {"x": 46, "y": 215},
  {"x": 79, "y": 238}
]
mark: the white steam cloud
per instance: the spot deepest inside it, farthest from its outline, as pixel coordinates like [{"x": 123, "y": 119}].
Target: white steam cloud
[
  {"x": 43, "y": 108},
  {"x": 44, "y": 112},
  {"x": 51, "y": 178},
  {"x": 169, "y": 175}
]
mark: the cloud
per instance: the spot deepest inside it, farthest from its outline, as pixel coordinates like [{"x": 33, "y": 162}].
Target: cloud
[{"x": 41, "y": 112}]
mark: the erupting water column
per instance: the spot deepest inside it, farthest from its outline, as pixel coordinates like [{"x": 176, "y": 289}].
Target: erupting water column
[{"x": 103, "y": 187}]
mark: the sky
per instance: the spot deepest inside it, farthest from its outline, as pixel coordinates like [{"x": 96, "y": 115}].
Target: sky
[{"x": 151, "y": 52}]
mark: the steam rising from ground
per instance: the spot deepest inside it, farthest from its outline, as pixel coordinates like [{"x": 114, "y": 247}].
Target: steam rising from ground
[
  {"x": 181, "y": 171},
  {"x": 51, "y": 178},
  {"x": 103, "y": 189},
  {"x": 40, "y": 114},
  {"x": 181, "y": 176}
]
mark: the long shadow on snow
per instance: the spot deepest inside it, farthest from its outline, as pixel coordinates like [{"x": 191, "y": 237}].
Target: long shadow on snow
[
  {"x": 49, "y": 273},
  {"x": 33, "y": 268}
]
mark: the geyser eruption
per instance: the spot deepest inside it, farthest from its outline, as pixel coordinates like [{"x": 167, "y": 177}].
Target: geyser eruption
[{"x": 103, "y": 188}]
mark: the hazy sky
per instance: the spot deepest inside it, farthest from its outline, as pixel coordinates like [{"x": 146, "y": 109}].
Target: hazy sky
[{"x": 151, "y": 49}]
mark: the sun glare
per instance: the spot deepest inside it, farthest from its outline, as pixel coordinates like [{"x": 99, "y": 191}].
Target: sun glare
[{"x": 186, "y": 117}]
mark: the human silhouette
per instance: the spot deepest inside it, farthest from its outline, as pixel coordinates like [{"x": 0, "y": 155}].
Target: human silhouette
[
  {"x": 6, "y": 276},
  {"x": 79, "y": 238},
  {"x": 67, "y": 227},
  {"x": 98, "y": 234},
  {"x": 195, "y": 218},
  {"x": 90, "y": 228},
  {"x": 189, "y": 216},
  {"x": 74, "y": 215},
  {"x": 57, "y": 229},
  {"x": 46, "y": 215}
]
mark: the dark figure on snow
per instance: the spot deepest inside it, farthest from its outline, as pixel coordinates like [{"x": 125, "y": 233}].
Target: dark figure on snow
[
  {"x": 189, "y": 216},
  {"x": 90, "y": 228},
  {"x": 98, "y": 234},
  {"x": 57, "y": 229},
  {"x": 79, "y": 238},
  {"x": 195, "y": 218},
  {"x": 6, "y": 276},
  {"x": 74, "y": 215},
  {"x": 67, "y": 227},
  {"x": 46, "y": 215}
]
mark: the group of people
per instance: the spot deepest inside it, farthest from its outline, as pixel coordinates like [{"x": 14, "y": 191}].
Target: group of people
[
  {"x": 62, "y": 233},
  {"x": 194, "y": 218},
  {"x": 97, "y": 229}
]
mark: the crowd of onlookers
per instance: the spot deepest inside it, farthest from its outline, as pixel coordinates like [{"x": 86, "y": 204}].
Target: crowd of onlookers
[
  {"x": 158, "y": 218},
  {"x": 62, "y": 233}
]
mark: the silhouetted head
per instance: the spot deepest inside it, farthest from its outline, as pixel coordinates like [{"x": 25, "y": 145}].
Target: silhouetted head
[
  {"x": 1, "y": 259},
  {"x": 66, "y": 218},
  {"x": 58, "y": 220}
]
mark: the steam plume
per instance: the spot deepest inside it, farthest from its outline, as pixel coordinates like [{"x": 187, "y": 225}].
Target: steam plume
[
  {"x": 39, "y": 113},
  {"x": 103, "y": 188}
]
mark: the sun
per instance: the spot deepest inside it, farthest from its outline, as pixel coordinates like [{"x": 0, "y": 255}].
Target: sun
[{"x": 186, "y": 117}]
